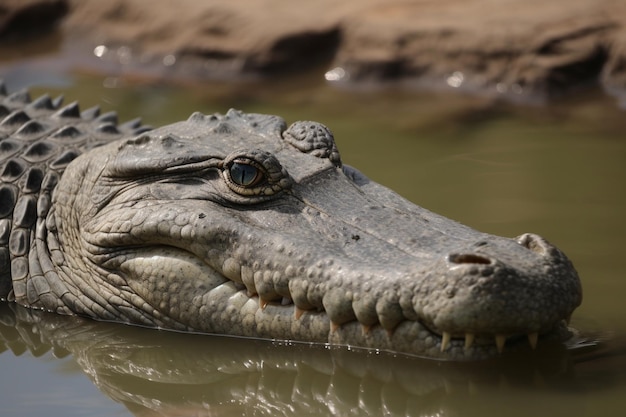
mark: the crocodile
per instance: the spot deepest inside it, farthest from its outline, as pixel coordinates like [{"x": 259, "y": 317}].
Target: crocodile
[{"x": 241, "y": 225}]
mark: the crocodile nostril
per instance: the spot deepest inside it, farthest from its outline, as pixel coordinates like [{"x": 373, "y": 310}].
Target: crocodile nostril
[
  {"x": 533, "y": 243},
  {"x": 468, "y": 258}
]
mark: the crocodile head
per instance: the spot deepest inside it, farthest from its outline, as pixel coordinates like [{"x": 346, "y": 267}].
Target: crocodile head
[{"x": 238, "y": 225}]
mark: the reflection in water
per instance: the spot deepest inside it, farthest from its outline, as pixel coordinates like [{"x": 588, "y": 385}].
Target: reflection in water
[{"x": 156, "y": 373}]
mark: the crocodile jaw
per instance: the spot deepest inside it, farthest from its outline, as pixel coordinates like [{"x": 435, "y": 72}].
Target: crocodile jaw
[
  {"x": 333, "y": 258},
  {"x": 209, "y": 274}
]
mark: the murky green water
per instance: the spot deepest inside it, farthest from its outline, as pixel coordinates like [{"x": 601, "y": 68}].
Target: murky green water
[{"x": 557, "y": 170}]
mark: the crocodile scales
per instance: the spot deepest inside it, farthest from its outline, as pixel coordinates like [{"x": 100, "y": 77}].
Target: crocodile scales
[{"x": 238, "y": 224}]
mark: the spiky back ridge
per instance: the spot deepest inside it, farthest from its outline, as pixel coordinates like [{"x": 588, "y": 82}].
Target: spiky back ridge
[{"x": 38, "y": 139}]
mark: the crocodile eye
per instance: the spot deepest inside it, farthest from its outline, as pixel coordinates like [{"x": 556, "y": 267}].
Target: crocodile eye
[
  {"x": 244, "y": 174},
  {"x": 254, "y": 174}
]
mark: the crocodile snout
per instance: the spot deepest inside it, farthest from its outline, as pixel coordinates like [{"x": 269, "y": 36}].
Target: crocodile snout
[{"x": 498, "y": 290}]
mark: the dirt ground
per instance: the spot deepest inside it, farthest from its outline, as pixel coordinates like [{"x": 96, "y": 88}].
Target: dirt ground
[{"x": 520, "y": 47}]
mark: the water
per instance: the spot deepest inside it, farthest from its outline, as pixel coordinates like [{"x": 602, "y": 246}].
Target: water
[{"x": 557, "y": 170}]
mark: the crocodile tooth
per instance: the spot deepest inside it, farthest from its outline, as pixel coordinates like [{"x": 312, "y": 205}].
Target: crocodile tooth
[
  {"x": 532, "y": 339},
  {"x": 445, "y": 340},
  {"x": 500, "y": 341},
  {"x": 366, "y": 329},
  {"x": 298, "y": 313},
  {"x": 334, "y": 326},
  {"x": 469, "y": 340},
  {"x": 263, "y": 303}
]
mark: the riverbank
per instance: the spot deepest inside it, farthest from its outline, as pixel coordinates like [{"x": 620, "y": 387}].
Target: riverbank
[{"x": 520, "y": 49}]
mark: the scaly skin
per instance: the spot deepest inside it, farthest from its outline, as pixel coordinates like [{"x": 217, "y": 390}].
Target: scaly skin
[{"x": 238, "y": 225}]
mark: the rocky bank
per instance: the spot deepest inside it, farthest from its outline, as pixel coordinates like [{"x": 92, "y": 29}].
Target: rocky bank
[{"x": 517, "y": 48}]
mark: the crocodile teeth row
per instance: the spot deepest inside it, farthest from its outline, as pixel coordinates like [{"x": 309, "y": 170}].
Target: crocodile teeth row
[{"x": 500, "y": 340}]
